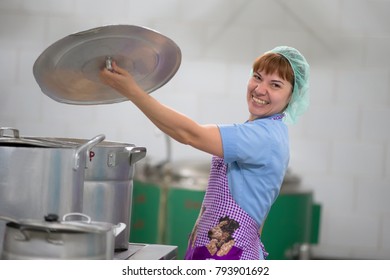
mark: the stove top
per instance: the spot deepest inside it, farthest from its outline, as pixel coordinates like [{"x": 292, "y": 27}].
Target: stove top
[{"x": 138, "y": 251}]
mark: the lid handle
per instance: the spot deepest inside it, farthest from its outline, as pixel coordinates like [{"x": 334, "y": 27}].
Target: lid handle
[
  {"x": 76, "y": 214},
  {"x": 13, "y": 130}
]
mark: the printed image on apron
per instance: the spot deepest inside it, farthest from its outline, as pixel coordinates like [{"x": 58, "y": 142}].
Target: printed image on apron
[{"x": 221, "y": 237}]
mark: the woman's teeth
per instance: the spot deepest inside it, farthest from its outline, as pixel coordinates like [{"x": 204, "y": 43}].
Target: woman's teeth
[{"x": 259, "y": 101}]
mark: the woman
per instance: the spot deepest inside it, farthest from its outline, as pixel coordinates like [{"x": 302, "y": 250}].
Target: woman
[{"x": 249, "y": 159}]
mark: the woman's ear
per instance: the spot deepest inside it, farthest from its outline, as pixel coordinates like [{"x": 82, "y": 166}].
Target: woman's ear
[{"x": 288, "y": 101}]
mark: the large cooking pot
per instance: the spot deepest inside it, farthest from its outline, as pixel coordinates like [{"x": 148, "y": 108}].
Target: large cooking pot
[
  {"x": 108, "y": 183},
  {"x": 28, "y": 239},
  {"x": 38, "y": 176}
]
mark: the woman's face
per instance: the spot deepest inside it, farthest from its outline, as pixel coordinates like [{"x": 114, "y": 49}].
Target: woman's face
[{"x": 267, "y": 94}]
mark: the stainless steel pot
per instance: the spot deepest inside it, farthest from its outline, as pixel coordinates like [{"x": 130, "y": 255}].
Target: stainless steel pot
[
  {"x": 108, "y": 183},
  {"x": 38, "y": 176},
  {"x": 52, "y": 239},
  {"x": 110, "y": 180}
]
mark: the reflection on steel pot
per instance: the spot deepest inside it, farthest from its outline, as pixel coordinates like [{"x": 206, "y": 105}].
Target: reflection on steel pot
[
  {"x": 52, "y": 239},
  {"x": 39, "y": 176},
  {"x": 108, "y": 184}
]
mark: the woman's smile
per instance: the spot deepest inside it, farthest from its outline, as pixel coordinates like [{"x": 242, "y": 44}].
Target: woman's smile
[{"x": 259, "y": 101}]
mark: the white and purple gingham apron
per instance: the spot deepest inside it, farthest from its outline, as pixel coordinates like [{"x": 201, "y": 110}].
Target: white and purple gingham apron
[{"x": 219, "y": 205}]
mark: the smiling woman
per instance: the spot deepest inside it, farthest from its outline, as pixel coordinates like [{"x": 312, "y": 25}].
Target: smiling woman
[{"x": 249, "y": 159}]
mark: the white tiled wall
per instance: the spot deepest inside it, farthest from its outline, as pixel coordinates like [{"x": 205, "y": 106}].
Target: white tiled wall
[{"x": 341, "y": 147}]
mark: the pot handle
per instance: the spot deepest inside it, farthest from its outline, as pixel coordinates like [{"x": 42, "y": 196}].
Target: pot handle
[
  {"x": 119, "y": 228},
  {"x": 14, "y": 131},
  {"x": 136, "y": 153},
  {"x": 77, "y": 215},
  {"x": 84, "y": 149},
  {"x": 9, "y": 219},
  {"x": 23, "y": 228}
]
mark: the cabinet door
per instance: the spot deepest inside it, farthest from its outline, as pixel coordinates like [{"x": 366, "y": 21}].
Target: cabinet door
[
  {"x": 145, "y": 213},
  {"x": 183, "y": 208},
  {"x": 288, "y": 225}
]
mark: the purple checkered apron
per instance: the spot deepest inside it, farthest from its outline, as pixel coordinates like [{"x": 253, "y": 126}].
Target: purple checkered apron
[{"x": 219, "y": 205}]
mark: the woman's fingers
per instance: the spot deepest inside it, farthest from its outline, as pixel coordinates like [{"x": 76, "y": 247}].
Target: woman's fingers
[
  {"x": 119, "y": 70},
  {"x": 119, "y": 79},
  {"x": 104, "y": 75}
]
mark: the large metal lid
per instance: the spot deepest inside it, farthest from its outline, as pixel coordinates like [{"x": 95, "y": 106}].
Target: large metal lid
[
  {"x": 68, "y": 70},
  {"x": 51, "y": 223},
  {"x": 10, "y": 136}
]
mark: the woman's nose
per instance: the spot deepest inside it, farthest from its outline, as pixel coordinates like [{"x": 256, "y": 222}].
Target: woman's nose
[{"x": 261, "y": 88}]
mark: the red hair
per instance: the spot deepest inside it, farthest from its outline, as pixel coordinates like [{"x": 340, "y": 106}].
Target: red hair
[{"x": 274, "y": 63}]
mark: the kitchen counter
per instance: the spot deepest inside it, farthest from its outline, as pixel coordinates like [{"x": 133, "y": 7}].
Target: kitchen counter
[{"x": 137, "y": 251}]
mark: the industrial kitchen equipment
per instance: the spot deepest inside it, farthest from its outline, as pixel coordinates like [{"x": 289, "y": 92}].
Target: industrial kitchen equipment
[{"x": 100, "y": 172}]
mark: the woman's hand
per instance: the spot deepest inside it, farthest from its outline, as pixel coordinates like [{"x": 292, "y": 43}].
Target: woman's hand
[{"x": 120, "y": 80}]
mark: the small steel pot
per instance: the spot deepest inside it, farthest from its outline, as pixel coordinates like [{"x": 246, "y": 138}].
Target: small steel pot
[{"x": 52, "y": 239}]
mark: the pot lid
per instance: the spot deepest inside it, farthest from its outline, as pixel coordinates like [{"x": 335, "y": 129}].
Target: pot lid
[
  {"x": 51, "y": 223},
  {"x": 78, "y": 141},
  {"x": 68, "y": 70},
  {"x": 10, "y": 136}
]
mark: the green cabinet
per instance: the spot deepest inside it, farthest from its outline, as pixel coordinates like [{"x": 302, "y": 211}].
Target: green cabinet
[
  {"x": 145, "y": 213},
  {"x": 183, "y": 208},
  {"x": 293, "y": 221},
  {"x": 164, "y": 215}
]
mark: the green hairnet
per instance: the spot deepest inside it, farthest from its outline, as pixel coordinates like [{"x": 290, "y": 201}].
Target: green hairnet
[{"x": 300, "y": 97}]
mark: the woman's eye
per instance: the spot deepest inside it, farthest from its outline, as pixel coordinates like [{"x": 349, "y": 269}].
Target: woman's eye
[
  {"x": 257, "y": 76},
  {"x": 275, "y": 85}
]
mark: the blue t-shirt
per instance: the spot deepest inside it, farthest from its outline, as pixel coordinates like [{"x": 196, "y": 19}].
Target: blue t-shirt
[{"x": 257, "y": 155}]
